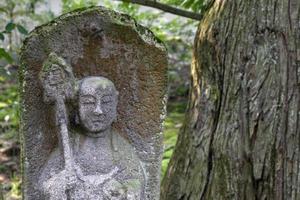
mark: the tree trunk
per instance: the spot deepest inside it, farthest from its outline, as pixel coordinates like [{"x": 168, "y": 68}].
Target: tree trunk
[{"x": 241, "y": 136}]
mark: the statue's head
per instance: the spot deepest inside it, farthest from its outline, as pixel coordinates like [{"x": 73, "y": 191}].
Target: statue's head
[{"x": 98, "y": 100}]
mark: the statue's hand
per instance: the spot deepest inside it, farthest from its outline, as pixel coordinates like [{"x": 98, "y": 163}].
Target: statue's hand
[
  {"x": 114, "y": 190},
  {"x": 70, "y": 178},
  {"x": 56, "y": 186},
  {"x": 66, "y": 179}
]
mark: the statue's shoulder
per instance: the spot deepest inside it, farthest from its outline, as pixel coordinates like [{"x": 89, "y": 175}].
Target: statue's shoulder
[
  {"x": 123, "y": 148},
  {"x": 120, "y": 143}
]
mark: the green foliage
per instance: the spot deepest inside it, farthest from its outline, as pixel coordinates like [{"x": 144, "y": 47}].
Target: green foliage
[
  {"x": 69, "y": 5},
  {"x": 2, "y": 36},
  {"x": 16, "y": 187},
  {"x": 13, "y": 188},
  {"x": 194, "y": 5},
  {"x": 124, "y": 7},
  {"x": 4, "y": 54},
  {"x": 9, "y": 108},
  {"x": 12, "y": 29},
  {"x": 21, "y": 29},
  {"x": 177, "y": 107},
  {"x": 9, "y": 27},
  {"x": 3, "y": 10},
  {"x": 172, "y": 125}
]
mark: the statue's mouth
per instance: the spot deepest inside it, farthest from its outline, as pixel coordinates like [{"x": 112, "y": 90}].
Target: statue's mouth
[
  {"x": 98, "y": 121},
  {"x": 100, "y": 118}
]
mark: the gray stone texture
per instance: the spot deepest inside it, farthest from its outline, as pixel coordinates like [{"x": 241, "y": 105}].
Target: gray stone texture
[{"x": 95, "y": 42}]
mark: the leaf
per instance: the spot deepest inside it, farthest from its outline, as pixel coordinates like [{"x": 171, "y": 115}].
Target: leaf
[
  {"x": 3, "y": 10},
  {"x": 21, "y": 29},
  {"x": 3, "y": 104},
  {"x": 9, "y": 27},
  {"x": 5, "y": 55},
  {"x": 2, "y": 79},
  {"x": 187, "y": 3},
  {"x": 1, "y": 36},
  {"x": 195, "y": 5}
]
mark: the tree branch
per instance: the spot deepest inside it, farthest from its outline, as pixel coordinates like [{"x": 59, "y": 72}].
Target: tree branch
[{"x": 166, "y": 8}]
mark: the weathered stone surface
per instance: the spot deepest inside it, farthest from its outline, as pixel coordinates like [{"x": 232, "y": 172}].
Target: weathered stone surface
[{"x": 95, "y": 43}]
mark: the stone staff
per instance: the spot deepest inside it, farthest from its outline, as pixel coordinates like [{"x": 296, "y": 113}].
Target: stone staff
[{"x": 58, "y": 83}]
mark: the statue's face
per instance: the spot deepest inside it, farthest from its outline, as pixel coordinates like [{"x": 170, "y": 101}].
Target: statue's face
[
  {"x": 97, "y": 104},
  {"x": 55, "y": 76}
]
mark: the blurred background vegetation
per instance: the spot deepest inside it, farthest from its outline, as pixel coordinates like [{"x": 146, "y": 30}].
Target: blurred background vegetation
[{"x": 18, "y": 17}]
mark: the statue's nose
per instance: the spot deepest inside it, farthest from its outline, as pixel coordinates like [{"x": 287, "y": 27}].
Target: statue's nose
[{"x": 98, "y": 110}]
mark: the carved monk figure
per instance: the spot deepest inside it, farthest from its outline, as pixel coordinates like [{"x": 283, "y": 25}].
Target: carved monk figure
[{"x": 104, "y": 164}]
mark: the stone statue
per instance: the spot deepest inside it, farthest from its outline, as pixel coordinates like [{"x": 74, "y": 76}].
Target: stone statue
[
  {"x": 85, "y": 136},
  {"x": 95, "y": 162}
]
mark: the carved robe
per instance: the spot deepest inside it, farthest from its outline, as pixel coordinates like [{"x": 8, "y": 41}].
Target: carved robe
[{"x": 105, "y": 168}]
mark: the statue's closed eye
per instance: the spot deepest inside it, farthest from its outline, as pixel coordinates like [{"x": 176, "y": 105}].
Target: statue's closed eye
[
  {"x": 106, "y": 99},
  {"x": 88, "y": 100}
]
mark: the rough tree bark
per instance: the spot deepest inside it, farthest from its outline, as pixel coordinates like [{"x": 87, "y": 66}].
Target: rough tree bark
[{"x": 241, "y": 136}]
